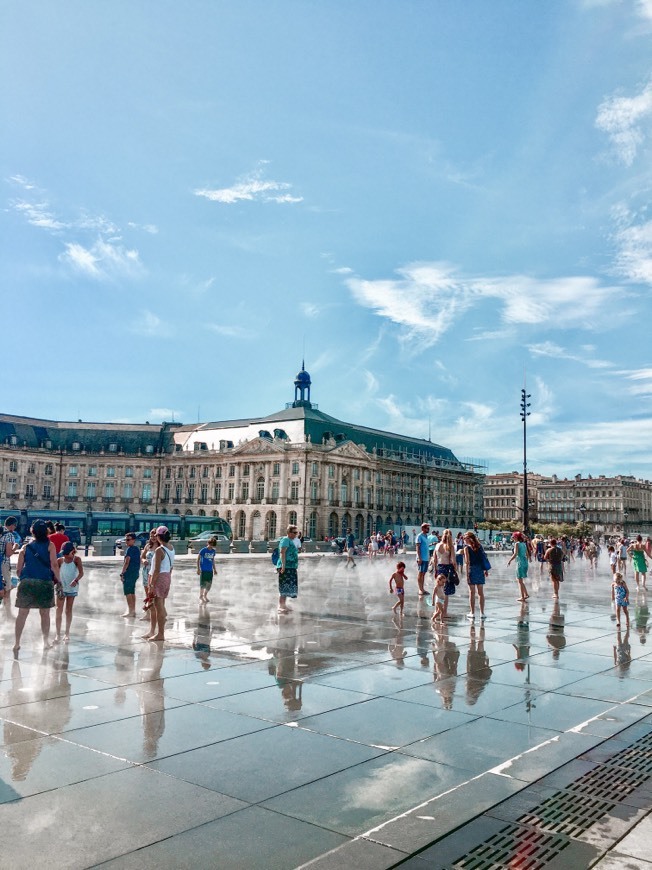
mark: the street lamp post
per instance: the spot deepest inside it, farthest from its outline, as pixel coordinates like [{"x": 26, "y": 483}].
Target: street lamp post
[
  {"x": 524, "y": 415},
  {"x": 582, "y": 510},
  {"x": 625, "y": 515}
]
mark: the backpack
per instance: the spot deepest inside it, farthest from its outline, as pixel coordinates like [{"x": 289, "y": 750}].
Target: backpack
[{"x": 275, "y": 555}]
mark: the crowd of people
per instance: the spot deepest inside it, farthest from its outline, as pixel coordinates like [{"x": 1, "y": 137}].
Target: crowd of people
[{"x": 50, "y": 570}]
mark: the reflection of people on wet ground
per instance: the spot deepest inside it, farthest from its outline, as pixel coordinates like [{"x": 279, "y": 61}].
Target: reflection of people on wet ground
[
  {"x": 422, "y": 635},
  {"x": 641, "y": 615},
  {"x": 396, "y": 647},
  {"x": 283, "y": 667},
  {"x": 555, "y": 637},
  {"x": 446, "y": 656},
  {"x": 478, "y": 672},
  {"x": 622, "y": 652},
  {"x": 522, "y": 645},
  {"x": 150, "y": 662},
  {"x": 48, "y": 684},
  {"x": 201, "y": 642},
  {"x": 124, "y": 663}
]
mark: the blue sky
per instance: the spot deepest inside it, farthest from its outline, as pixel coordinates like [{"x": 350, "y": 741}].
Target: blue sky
[{"x": 435, "y": 199}]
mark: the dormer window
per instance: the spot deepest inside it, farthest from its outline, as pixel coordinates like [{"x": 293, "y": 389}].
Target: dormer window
[
  {"x": 149, "y": 448},
  {"x": 113, "y": 447},
  {"x": 76, "y": 445}
]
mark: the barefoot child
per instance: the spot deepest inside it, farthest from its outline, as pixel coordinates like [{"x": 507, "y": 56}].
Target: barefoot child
[
  {"x": 620, "y": 595},
  {"x": 71, "y": 571},
  {"x": 206, "y": 569},
  {"x": 439, "y": 598},
  {"x": 398, "y": 577}
]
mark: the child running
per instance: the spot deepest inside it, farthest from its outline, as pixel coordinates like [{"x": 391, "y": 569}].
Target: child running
[
  {"x": 71, "y": 571},
  {"x": 620, "y": 595},
  {"x": 206, "y": 569},
  {"x": 398, "y": 577}
]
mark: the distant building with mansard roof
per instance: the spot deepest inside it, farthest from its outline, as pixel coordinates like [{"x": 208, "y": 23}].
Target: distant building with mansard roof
[{"x": 298, "y": 465}]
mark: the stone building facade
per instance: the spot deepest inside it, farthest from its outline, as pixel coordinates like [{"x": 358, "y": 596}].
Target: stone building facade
[
  {"x": 611, "y": 504},
  {"x": 298, "y": 465},
  {"x": 503, "y": 497}
]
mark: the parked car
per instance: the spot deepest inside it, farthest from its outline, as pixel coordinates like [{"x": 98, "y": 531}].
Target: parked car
[
  {"x": 206, "y": 536},
  {"x": 141, "y": 540}
]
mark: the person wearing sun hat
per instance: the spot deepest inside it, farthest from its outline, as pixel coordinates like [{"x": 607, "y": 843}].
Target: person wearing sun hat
[{"x": 158, "y": 586}]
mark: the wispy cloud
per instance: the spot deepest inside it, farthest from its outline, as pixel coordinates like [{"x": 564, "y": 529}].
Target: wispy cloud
[
  {"x": 633, "y": 239},
  {"x": 92, "y": 242},
  {"x": 103, "y": 259},
  {"x": 641, "y": 381},
  {"x": 251, "y": 187},
  {"x": 550, "y": 349},
  {"x": 623, "y": 119},
  {"x": 428, "y": 298},
  {"x": 310, "y": 309},
  {"x": 228, "y": 331},
  {"x": 164, "y": 414},
  {"x": 152, "y": 229},
  {"x": 150, "y": 325}
]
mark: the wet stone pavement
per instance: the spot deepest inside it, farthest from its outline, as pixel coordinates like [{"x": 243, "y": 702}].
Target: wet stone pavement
[{"x": 334, "y": 736}]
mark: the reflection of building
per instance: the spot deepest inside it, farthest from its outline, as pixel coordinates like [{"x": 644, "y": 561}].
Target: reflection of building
[{"x": 297, "y": 465}]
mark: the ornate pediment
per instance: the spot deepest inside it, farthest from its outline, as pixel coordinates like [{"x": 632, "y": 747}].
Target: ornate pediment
[
  {"x": 259, "y": 447},
  {"x": 349, "y": 449}
]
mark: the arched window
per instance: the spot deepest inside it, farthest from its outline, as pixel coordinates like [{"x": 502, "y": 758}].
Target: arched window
[
  {"x": 333, "y": 525},
  {"x": 312, "y": 525},
  {"x": 240, "y": 524},
  {"x": 292, "y": 518}
]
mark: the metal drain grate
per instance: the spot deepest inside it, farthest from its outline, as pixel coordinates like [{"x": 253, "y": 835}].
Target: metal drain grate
[
  {"x": 567, "y": 813},
  {"x": 608, "y": 783},
  {"x": 513, "y": 846}
]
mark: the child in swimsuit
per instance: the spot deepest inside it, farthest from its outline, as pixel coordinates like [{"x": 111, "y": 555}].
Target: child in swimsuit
[
  {"x": 439, "y": 597},
  {"x": 398, "y": 577},
  {"x": 620, "y": 595}
]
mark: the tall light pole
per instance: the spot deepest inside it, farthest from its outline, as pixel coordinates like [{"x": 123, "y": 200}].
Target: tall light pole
[{"x": 524, "y": 415}]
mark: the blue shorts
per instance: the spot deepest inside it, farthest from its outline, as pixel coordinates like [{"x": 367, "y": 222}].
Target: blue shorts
[{"x": 423, "y": 567}]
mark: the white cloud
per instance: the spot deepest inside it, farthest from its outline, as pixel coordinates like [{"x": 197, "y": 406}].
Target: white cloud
[
  {"x": 38, "y": 214},
  {"x": 251, "y": 187},
  {"x": 152, "y": 229},
  {"x": 21, "y": 181},
  {"x": 634, "y": 247},
  {"x": 310, "y": 310},
  {"x": 642, "y": 381},
  {"x": 428, "y": 298},
  {"x": 343, "y": 270},
  {"x": 103, "y": 259},
  {"x": 550, "y": 349},
  {"x": 164, "y": 414},
  {"x": 149, "y": 325},
  {"x": 622, "y": 119},
  {"x": 228, "y": 331}
]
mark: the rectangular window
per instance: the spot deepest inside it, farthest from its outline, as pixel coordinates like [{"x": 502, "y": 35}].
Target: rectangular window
[
  {"x": 245, "y": 490},
  {"x": 29, "y": 490},
  {"x": 129, "y": 471},
  {"x": 47, "y": 490},
  {"x": 12, "y": 486},
  {"x": 191, "y": 492},
  {"x": 128, "y": 490},
  {"x": 295, "y": 468},
  {"x": 276, "y": 469},
  {"x": 331, "y": 471},
  {"x": 314, "y": 489},
  {"x": 246, "y": 470},
  {"x": 168, "y": 473},
  {"x": 331, "y": 492},
  {"x": 204, "y": 471},
  {"x": 31, "y": 468},
  {"x": 147, "y": 473},
  {"x": 180, "y": 471},
  {"x": 315, "y": 469},
  {"x": 231, "y": 491},
  {"x": 204, "y": 492},
  {"x": 356, "y": 474},
  {"x": 110, "y": 472},
  {"x": 72, "y": 489},
  {"x": 90, "y": 489},
  {"x": 92, "y": 470},
  {"x": 275, "y": 489},
  {"x": 218, "y": 471},
  {"x": 109, "y": 490},
  {"x": 218, "y": 491},
  {"x": 192, "y": 472},
  {"x": 147, "y": 492},
  {"x": 13, "y": 465},
  {"x": 178, "y": 489},
  {"x": 294, "y": 491},
  {"x": 48, "y": 470},
  {"x": 231, "y": 470},
  {"x": 72, "y": 471},
  {"x": 166, "y": 492}
]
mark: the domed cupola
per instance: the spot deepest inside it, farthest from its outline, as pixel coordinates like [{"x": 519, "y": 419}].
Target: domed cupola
[{"x": 302, "y": 389}]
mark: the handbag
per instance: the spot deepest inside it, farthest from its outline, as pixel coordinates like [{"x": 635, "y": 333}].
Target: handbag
[
  {"x": 486, "y": 564},
  {"x": 455, "y": 576}
]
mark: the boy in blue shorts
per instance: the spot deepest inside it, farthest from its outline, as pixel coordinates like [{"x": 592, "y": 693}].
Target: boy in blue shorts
[{"x": 206, "y": 569}]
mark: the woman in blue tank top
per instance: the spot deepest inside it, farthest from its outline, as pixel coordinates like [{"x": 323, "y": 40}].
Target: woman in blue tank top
[{"x": 38, "y": 571}]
